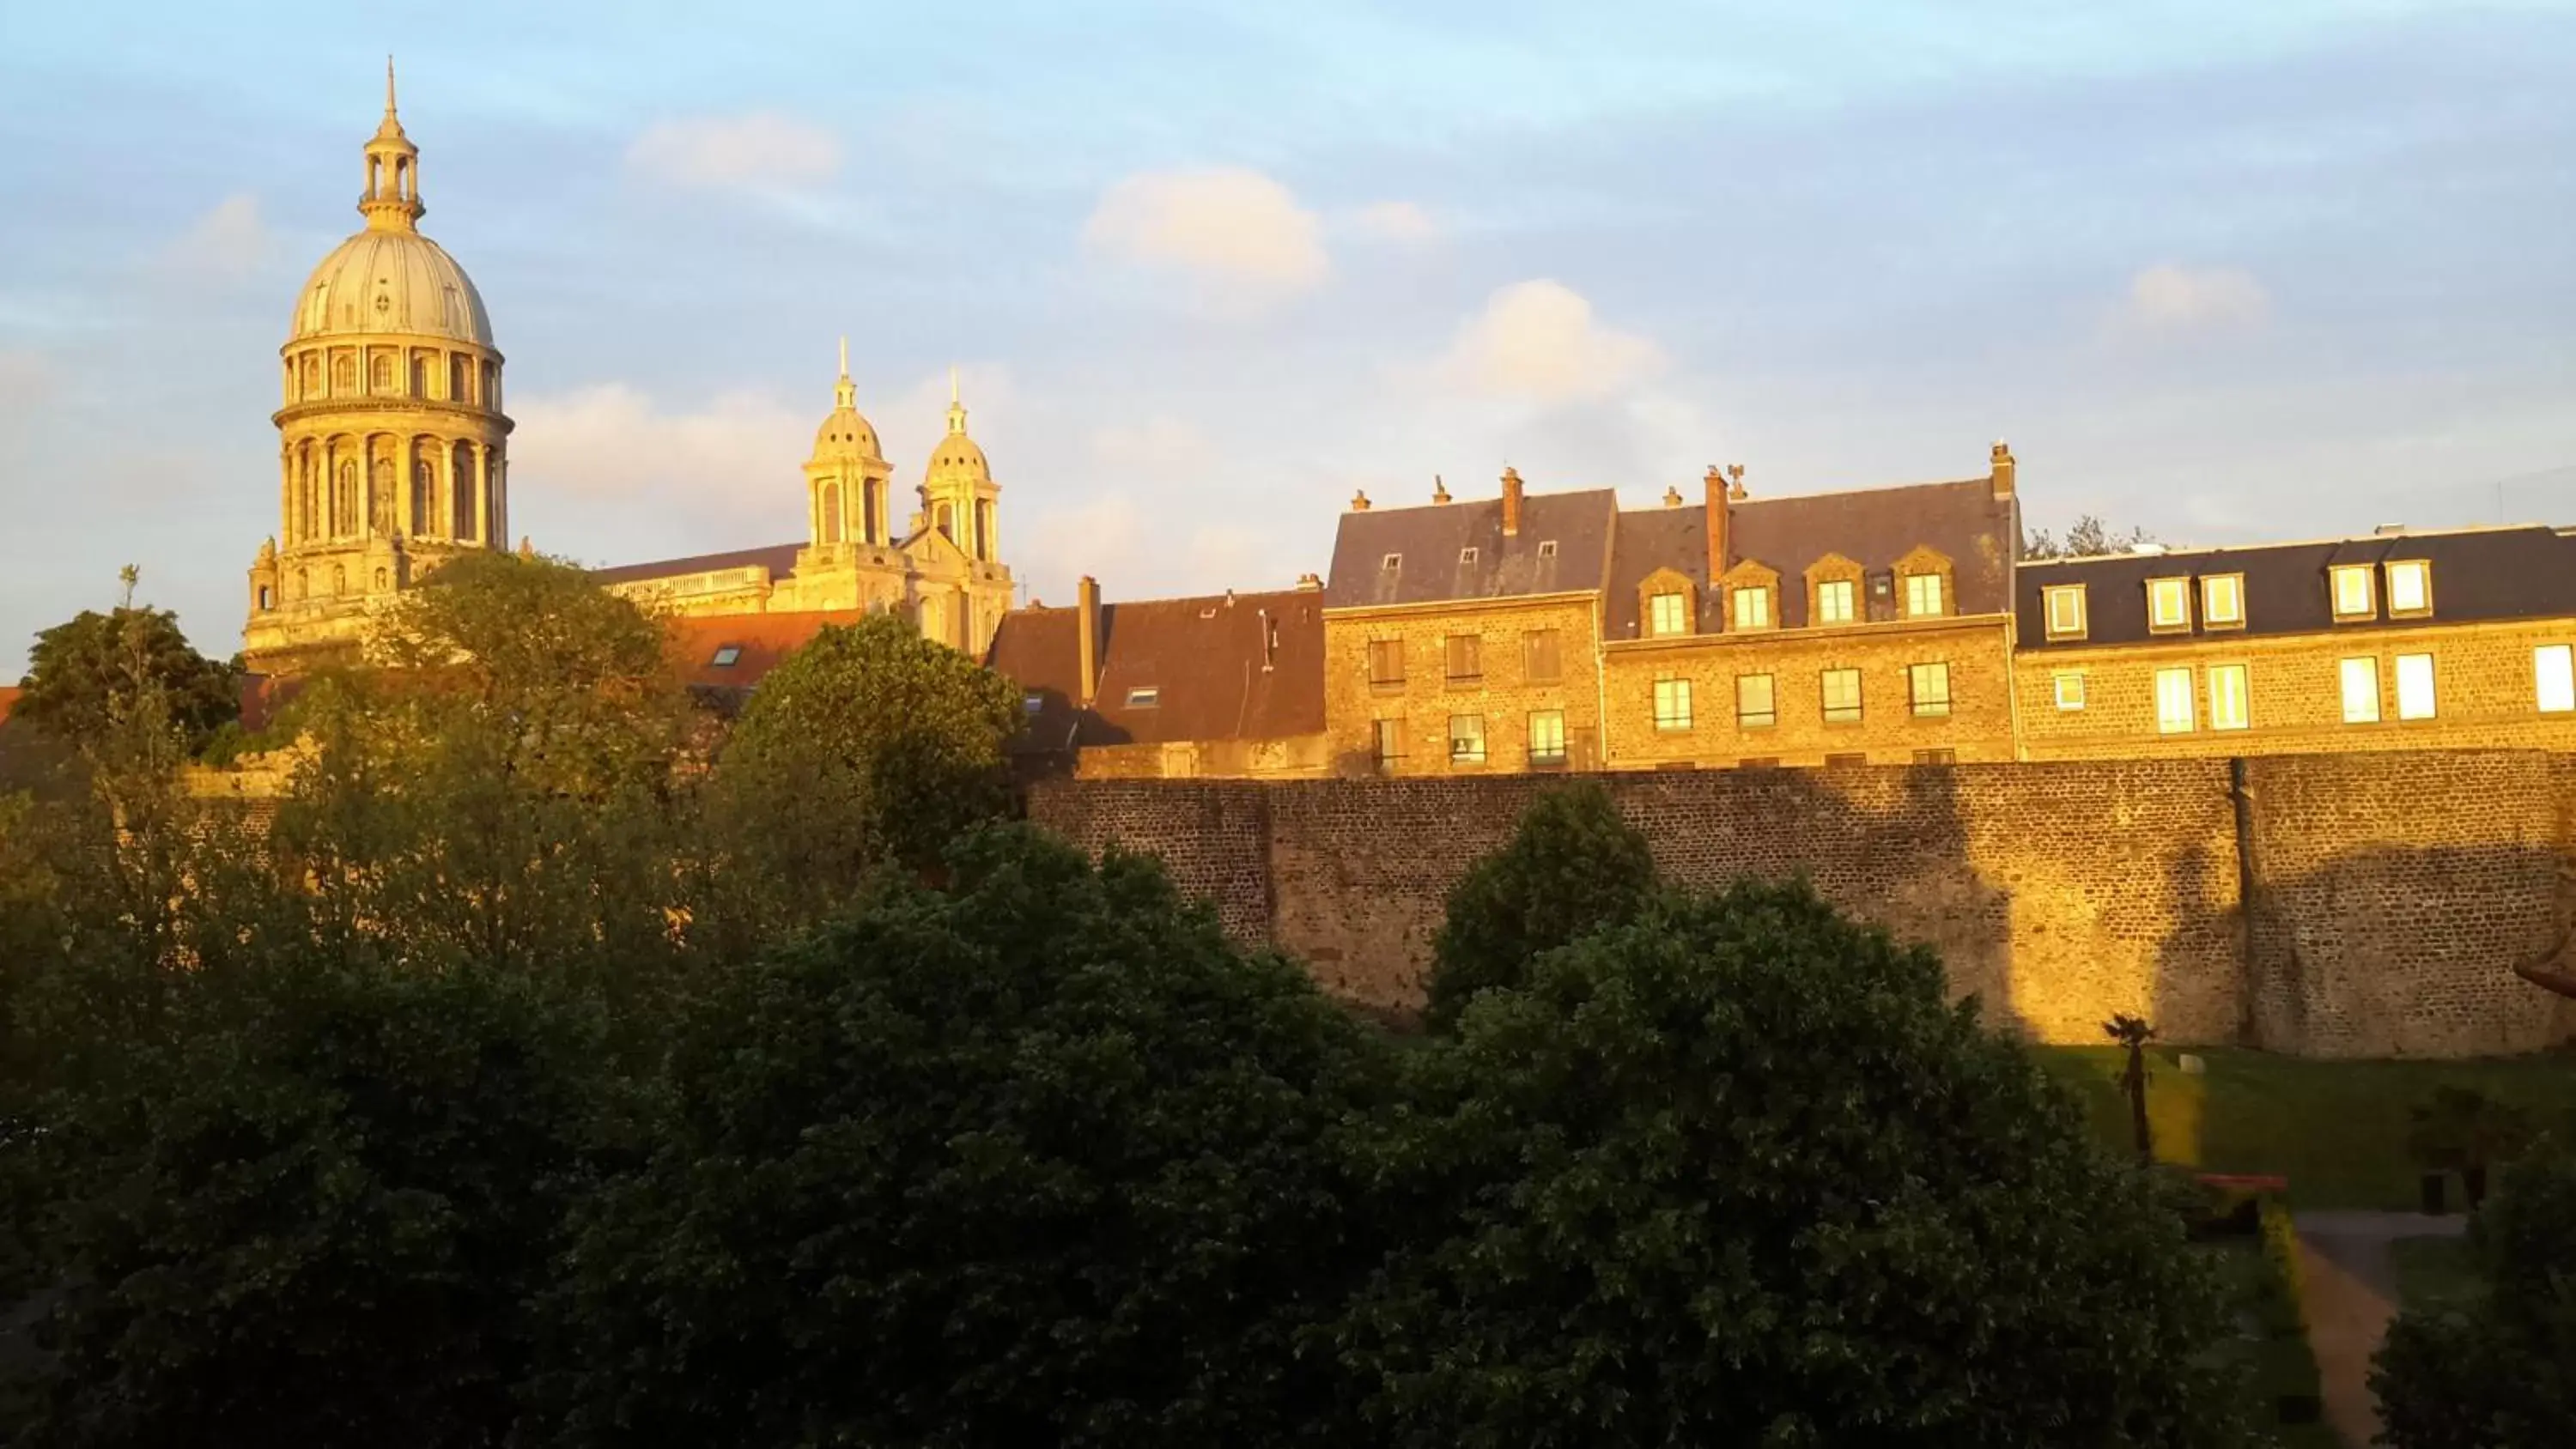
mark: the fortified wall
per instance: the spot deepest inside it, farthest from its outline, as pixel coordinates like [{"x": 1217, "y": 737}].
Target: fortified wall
[{"x": 2327, "y": 905}]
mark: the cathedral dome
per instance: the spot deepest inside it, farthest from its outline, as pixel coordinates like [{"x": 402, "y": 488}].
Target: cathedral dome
[
  {"x": 846, "y": 433},
  {"x": 959, "y": 456},
  {"x": 390, "y": 281}
]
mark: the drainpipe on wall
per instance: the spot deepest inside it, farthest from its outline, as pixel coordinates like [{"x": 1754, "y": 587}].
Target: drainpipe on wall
[
  {"x": 1086, "y": 631},
  {"x": 1600, "y": 691},
  {"x": 2249, "y": 990}
]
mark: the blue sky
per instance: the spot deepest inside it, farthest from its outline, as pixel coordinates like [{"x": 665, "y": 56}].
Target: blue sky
[{"x": 2225, "y": 271}]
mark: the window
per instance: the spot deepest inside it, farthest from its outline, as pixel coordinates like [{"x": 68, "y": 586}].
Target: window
[
  {"x": 1665, "y": 615},
  {"x": 1672, "y": 704},
  {"x": 1752, "y": 607},
  {"x": 1392, "y": 562},
  {"x": 2173, "y": 701},
  {"x": 727, "y": 655},
  {"x": 2410, "y": 588},
  {"x": 1928, "y": 687},
  {"x": 1756, "y": 702},
  {"x": 1842, "y": 761},
  {"x": 1841, "y": 691},
  {"x": 1386, "y": 664},
  {"x": 2553, "y": 672},
  {"x": 267, "y": 598},
  {"x": 2230, "y": 705},
  {"x": 1466, "y": 739},
  {"x": 1032, "y": 703},
  {"x": 2414, "y": 686},
  {"x": 2222, "y": 601},
  {"x": 1547, "y": 737},
  {"x": 1834, "y": 602},
  {"x": 2361, "y": 691},
  {"x": 1547, "y": 548},
  {"x": 1922, "y": 595},
  {"x": 1389, "y": 743},
  {"x": 1936, "y": 757},
  {"x": 2067, "y": 687},
  {"x": 1466, "y": 555},
  {"x": 1144, "y": 697},
  {"x": 2352, "y": 597},
  {"x": 2065, "y": 606},
  {"x": 1538, "y": 656},
  {"x": 1465, "y": 658},
  {"x": 2168, "y": 605}
]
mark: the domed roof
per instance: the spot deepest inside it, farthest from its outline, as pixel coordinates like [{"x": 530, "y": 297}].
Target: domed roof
[
  {"x": 845, "y": 433},
  {"x": 959, "y": 455},
  {"x": 391, "y": 281}
]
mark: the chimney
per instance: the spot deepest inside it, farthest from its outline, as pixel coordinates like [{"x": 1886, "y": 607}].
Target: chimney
[
  {"x": 2003, "y": 469},
  {"x": 1310, "y": 583},
  {"x": 1439, "y": 490},
  {"x": 1511, "y": 502},
  {"x": 1359, "y": 502},
  {"x": 1719, "y": 509},
  {"x": 1086, "y": 632},
  {"x": 1672, "y": 498}
]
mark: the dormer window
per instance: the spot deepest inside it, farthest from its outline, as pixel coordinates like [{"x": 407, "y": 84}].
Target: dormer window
[
  {"x": 2222, "y": 601},
  {"x": 1393, "y": 562},
  {"x": 1751, "y": 605},
  {"x": 2410, "y": 588},
  {"x": 1667, "y": 614},
  {"x": 1834, "y": 602},
  {"x": 1466, "y": 555},
  {"x": 2168, "y": 606},
  {"x": 2353, "y": 598},
  {"x": 1547, "y": 548},
  {"x": 2064, "y": 604},
  {"x": 727, "y": 656},
  {"x": 1144, "y": 696}
]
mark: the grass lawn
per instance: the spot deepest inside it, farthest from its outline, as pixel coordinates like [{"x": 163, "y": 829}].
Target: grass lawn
[
  {"x": 2336, "y": 1129},
  {"x": 2434, "y": 1274}
]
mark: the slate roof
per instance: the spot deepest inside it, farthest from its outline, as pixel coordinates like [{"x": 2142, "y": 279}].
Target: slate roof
[
  {"x": 1563, "y": 547},
  {"x": 2526, "y": 572},
  {"x": 778, "y": 558},
  {"x": 1203, "y": 657},
  {"x": 760, "y": 642},
  {"x": 1873, "y": 527}
]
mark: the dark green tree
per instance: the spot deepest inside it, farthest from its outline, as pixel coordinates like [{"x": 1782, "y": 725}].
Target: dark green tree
[
  {"x": 1570, "y": 867},
  {"x": 85, "y": 676},
  {"x": 1735, "y": 1172},
  {"x": 1039, "y": 1159},
  {"x": 2500, "y": 1372}
]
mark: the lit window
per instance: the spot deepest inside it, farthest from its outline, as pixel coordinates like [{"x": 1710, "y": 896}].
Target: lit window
[
  {"x": 1547, "y": 737},
  {"x": 1466, "y": 739},
  {"x": 1032, "y": 703},
  {"x": 2222, "y": 601},
  {"x": 1752, "y": 608},
  {"x": 2553, "y": 669},
  {"x": 1841, "y": 689},
  {"x": 1538, "y": 656},
  {"x": 2229, "y": 706},
  {"x": 1834, "y": 602},
  {"x": 1386, "y": 663},
  {"x": 2352, "y": 596},
  {"x": 1665, "y": 616},
  {"x": 1144, "y": 697},
  {"x": 1756, "y": 703},
  {"x": 1672, "y": 704},
  {"x": 1465, "y": 658},
  {"x": 2410, "y": 588},
  {"x": 1922, "y": 595},
  {"x": 727, "y": 655},
  {"x": 1927, "y": 687},
  {"x": 2414, "y": 686},
  {"x": 2361, "y": 691},
  {"x": 2068, "y": 687},
  {"x": 2065, "y": 611},
  {"x": 2173, "y": 701},
  {"x": 1390, "y": 743},
  {"x": 2168, "y": 604}
]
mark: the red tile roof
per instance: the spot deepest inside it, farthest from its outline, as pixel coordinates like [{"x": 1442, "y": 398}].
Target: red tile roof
[
  {"x": 1222, "y": 667},
  {"x": 735, "y": 650},
  {"x": 8, "y": 696}
]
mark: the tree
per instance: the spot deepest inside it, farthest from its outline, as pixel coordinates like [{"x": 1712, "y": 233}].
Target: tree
[
  {"x": 1040, "y": 1159},
  {"x": 86, "y": 675},
  {"x": 1571, "y": 866},
  {"x": 2089, "y": 536},
  {"x": 2463, "y": 1130},
  {"x": 1734, "y": 1173},
  {"x": 2133, "y": 1033},
  {"x": 2500, "y": 1371}
]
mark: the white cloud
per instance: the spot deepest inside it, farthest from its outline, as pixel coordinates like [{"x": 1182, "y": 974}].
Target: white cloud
[
  {"x": 609, "y": 441},
  {"x": 1240, "y": 234},
  {"x": 1162, "y": 447},
  {"x": 229, "y": 242},
  {"x": 2168, "y": 299},
  {"x": 1396, "y": 221},
  {"x": 758, "y": 149},
  {"x": 1538, "y": 340},
  {"x": 1109, "y": 536}
]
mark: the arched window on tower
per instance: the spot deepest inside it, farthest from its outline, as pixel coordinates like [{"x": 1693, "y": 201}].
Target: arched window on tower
[
  {"x": 459, "y": 369},
  {"x": 947, "y": 520},
  {"x": 984, "y": 530},
  {"x": 384, "y": 372},
  {"x": 312, "y": 376},
  {"x": 380, "y": 501},
  {"x": 308, "y": 499},
  {"x": 831, "y": 513},
  {"x": 460, "y": 488},
  {"x": 344, "y": 375},
  {"x": 424, "y": 497},
  {"x": 420, "y": 374},
  {"x": 344, "y": 501}
]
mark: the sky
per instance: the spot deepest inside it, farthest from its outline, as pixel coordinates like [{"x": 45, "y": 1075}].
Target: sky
[{"x": 2224, "y": 271}]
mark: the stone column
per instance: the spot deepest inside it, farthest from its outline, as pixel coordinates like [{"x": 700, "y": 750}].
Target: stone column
[
  {"x": 482, "y": 495},
  {"x": 286, "y": 495}
]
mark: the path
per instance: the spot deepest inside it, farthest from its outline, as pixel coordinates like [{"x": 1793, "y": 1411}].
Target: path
[{"x": 2351, "y": 1296}]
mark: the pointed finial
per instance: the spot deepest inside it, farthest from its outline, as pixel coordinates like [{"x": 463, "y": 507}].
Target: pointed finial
[
  {"x": 956, "y": 409},
  {"x": 952, "y": 384},
  {"x": 845, "y": 355},
  {"x": 389, "y": 85}
]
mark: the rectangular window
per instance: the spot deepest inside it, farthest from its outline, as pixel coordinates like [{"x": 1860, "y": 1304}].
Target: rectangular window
[
  {"x": 1665, "y": 615},
  {"x": 1465, "y": 658},
  {"x": 1466, "y": 555},
  {"x": 2352, "y": 593},
  {"x": 1922, "y": 595},
  {"x": 2222, "y": 601},
  {"x": 2068, "y": 687},
  {"x": 1391, "y": 562},
  {"x": 1672, "y": 704},
  {"x": 2361, "y": 691},
  {"x": 1927, "y": 686},
  {"x": 1144, "y": 697},
  {"x": 1834, "y": 601},
  {"x": 1466, "y": 739},
  {"x": 1547, "y": 737},
  {"x": 1936, "y": 757},
  {"x": 2410, "y": 588},
  {"x": 2553, "y": 673},
  {"x": 2414, "y": 686},
  {"x": 2173, "y": 701},
  {"x": 1756, "y": 703},
  {"x": 1390, "y": 743},
  {"x": 1538, "y": 656},
  {"x": 1752, "y": 607},
  {"x": 1386, "y": 663},
  {"x": 2230, "y": 705},
  {"x": 727, "y": 655},
  {"x": 1841, "y": 761},
  {"x": 2065, "y": 603},
  {"x": 2168, "y": 605},
  {"x": 1032, "y": 703},
  {"x": 1841, "y": 691}
]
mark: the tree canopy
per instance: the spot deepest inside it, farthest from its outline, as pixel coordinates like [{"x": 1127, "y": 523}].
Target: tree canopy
[
  {"x": 2089, "y": 536},
  {"x": 86, "y": 677},
  {"x": 1571, "y": 865}
]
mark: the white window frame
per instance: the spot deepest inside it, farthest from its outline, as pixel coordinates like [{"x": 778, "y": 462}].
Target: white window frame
[
  {"x": 1917, "y": 701},
  {"x": 2063, "y": 622},
  {"x": 2553, "y": 678},
  {"x": 2176, "y": 707},
  {"x": 1145, "y": 696},
  {"x": 2066, "y": 687},
  {"x": 2231, "y": 697},
  {"x": 1553, "y": 734},
  {"x": 1467, "y": 749},
  {"x": 2420, "y": 574},
  {"x": 1672, "y": 706},
  {"x": 2345, "y": 607},
  {"x": 1753, "y": 600},
  {"x": 1851, "y": 713},
  {"x": 1830, "y": 590},
  {"x": 1922, "y": 590},
  {"x": 2357, "y": 679},
  {"x": 2222, "y": 601},
  {"x": 1754, "y": 719},
  {"x": 2417, "y": 696},
  {"x": 1671, "y": 602},
  {"x": 2169, "y": 605}
]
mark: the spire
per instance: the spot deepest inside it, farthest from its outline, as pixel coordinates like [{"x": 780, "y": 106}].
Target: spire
[
  {"x": 845, "y": 393},
  {"x": 389, "y": 87},
  {"x": 391, "y": 201},
  {"x": 956, "y": 409}
]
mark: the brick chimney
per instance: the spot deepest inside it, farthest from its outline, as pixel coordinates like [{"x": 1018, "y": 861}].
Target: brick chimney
[
  {"x": 1720, "y": 510},
  {"x": 1359, "y": 502},
  {"x": 1086, "y": 633},
  {"x": 1511, "y": 502},
  {"x": 2003, "y": 469}
]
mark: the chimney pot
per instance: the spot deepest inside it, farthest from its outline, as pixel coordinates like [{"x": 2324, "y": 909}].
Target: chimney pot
[
  {"x": 1086, "y": 631},
  {"x": 2003, "y": 469},
  {"x": 1310, "y": 583}
]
